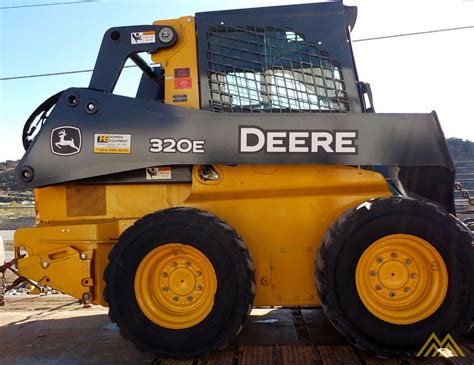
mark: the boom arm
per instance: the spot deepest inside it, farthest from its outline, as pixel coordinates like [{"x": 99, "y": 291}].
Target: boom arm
[
  {"x": 163, "y": 134},
  {"x": 120, "y": 43}
]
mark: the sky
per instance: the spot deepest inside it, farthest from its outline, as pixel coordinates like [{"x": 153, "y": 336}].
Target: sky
[{"x": 415, "y": 74}]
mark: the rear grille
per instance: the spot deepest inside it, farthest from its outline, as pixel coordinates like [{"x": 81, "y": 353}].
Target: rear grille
[{"x": 256, "y": 69}]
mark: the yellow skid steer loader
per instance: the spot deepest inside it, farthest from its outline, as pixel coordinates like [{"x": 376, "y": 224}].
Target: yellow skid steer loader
[{"x": 250, "y": 170}]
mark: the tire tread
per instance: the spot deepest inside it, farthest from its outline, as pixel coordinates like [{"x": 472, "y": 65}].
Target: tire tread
[{"x": 189, "y": 212}]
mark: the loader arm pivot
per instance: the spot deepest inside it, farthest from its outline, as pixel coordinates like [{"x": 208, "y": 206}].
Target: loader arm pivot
[{"x": 120, "y": 43}]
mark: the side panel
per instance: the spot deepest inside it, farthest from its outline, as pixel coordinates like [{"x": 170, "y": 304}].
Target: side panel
[{"x": 281, "y": 212}]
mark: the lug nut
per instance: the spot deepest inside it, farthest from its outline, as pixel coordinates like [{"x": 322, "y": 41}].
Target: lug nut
[
  {"x": 176, "y": 251},
  {"x": 175, "y": 298},
  {"x": 198, "y": 273},
  {"x": 408, "y": 261},
  {"x": 433, "y": 266},
  {"x": 174, "y": 264},
  {"x": 406, "y": 289},
  {"x": 45, "y": 264},
  {"x": 413, "y": 276},
  {"x": 188, "y": 263},
  {"x": 164, "y": 275},
  {"x": 373, "y": 273},
  {"x": 378, "y": 287},
  {"x": 189, "y": 298},
  {"x": 391, "y": 294},
  {"x": 394, "y": 254},
  {"x": 379, "y": 260},
  {"x": 165, "y": 289},
  {"x": 199, "y": 288}
]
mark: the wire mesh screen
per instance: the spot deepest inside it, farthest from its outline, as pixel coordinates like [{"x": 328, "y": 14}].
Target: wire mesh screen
[{"x": 256, "y": 69}]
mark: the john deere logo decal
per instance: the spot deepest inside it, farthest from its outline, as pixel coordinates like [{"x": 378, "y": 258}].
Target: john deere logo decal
[
  {"x": 66, "y": 141},
  {"x": 254, "y": 139},
  {"x": 434, "y": 347}
]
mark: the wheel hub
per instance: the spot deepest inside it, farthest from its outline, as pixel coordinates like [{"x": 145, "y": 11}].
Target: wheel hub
[
  {"x": 393, "y": 274},
  {"x": 175, "y": 286},
  {"x": 401, "y": 279},
  {"x": 181, "y": 281}
]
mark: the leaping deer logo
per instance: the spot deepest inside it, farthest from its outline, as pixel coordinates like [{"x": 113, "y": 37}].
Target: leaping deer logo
[{"x": 65, "y": 142}]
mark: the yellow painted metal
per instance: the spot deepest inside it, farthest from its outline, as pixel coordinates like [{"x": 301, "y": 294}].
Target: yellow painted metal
[
  {"x": 282, "y": 263},
  {"x": 183, "y": 55},
  {"x": 66, "y": 268},
  {"x": 175, "y": 286},
  {"x": 43, "y": 242},
  {"x": 271, "y": 206},
  {"x": 401, "y": 279}
]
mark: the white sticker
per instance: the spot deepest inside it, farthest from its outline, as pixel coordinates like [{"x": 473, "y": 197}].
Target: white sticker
[
  {"x": 112, "y": 143},
  {"x": 142, "y": 37},
  {"x": 158, "y": 173}
]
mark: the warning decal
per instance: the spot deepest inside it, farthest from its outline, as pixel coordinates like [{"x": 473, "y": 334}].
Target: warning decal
[
  {"x": 158, "y": 173},
  {"x": 142, "y": 37},
  {"x": 186, "y": 83},
  {"x": 180, "y": 73},
  {"x": 112, "y": 143}
]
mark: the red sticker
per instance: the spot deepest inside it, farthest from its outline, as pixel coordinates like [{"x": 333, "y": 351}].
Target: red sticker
[{"x": 186, "y": 83}]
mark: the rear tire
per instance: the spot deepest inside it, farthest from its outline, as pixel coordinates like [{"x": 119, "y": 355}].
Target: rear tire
[
  {"x": 193, "y": 276},
  {"x": 396, "y": 330}
]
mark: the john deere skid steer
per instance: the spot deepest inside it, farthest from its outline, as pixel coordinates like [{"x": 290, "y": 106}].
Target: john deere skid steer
[{"x": 249, "y": 170}]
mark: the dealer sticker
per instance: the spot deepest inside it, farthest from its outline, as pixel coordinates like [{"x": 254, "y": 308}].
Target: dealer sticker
[
  {"x": 142, "y": 37},
  {"x": 158, "y": 173},
  {"x": 112, "y": 143}
]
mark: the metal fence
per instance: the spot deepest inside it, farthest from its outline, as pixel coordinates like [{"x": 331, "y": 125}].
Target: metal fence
[
  {"x": 464, "y": 188},
  {"x": 9, "y": 211},
  {"x": 14, "y": 217}
]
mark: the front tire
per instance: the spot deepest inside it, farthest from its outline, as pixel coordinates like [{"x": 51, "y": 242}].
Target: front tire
[
  {"x": 393, "y": 271},
  {"x": 180, "y": 283}
]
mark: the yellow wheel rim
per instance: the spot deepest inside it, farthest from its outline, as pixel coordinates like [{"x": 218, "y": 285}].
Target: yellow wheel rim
[
  {"x": 175, "y": 286},
  {"x": 401, "y": 279}
]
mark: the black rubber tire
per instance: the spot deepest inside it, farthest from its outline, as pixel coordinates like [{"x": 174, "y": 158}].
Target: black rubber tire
[
  {"x": 348, "y": 238},
  {"x": 235, "y": 282}
]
